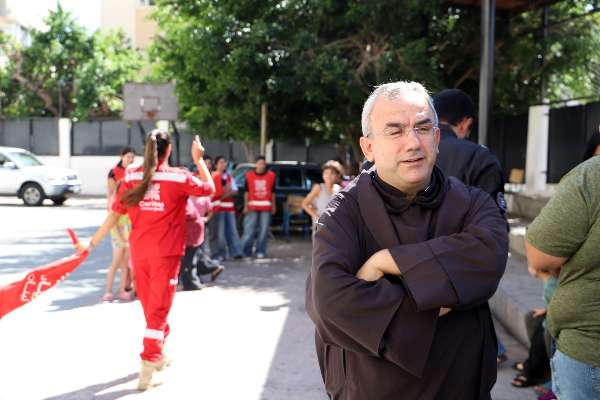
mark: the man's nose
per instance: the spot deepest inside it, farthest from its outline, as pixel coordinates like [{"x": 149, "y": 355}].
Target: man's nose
[{"x": 413, "y": 141}]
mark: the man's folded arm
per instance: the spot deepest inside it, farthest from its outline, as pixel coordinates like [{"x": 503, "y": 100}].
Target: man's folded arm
[
  {"x": 461, "y": 270},
  {"x": 354, "y": 314}
]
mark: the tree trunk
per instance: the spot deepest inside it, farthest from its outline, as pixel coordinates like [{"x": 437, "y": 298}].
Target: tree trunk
[
  {"x": 249, "y": 151},
  {"x": 353, "y": 136}
]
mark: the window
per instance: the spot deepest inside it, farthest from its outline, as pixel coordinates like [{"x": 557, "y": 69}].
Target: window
[
  {"x": 289, "y": 178},
  {"x": 25, "y": 159},
  {"x": 313, "y": 175}
]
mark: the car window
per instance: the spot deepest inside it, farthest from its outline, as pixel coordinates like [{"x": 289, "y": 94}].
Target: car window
[
  {"x": 239, "y": 176},
  {"x": 313, "y": 175},
  {"x": 25, "y": 159},
  {"x": 3, "y": 159},
  {"x": 288, "y": 177}
]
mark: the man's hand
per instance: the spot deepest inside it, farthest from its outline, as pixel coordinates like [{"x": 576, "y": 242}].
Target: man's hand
[
  {"x": 369, "y": 273},
  {"x": 538, "y": 312},
  {"x": 444, "y": 311},
  {"x": 197, "y": 150}
]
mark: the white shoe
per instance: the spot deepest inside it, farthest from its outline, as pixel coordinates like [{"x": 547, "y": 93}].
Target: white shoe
[
  {"x": 260, "y": 256},
  {"x": 148, "y": 368}
]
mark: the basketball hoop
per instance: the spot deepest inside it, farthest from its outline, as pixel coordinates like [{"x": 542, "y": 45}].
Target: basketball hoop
[
  {"x": 150, "y": 114},
  {"x": 150, "y": 102},
  {"x": 150, "y": 106}
]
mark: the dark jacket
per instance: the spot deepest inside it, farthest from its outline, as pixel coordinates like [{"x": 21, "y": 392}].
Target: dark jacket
[
  {"x": 472, "y": 163},
  {"x": 384, "y": 340}
]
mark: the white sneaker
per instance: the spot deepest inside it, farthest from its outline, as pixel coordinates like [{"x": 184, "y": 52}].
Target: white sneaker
[{"x": 260, "y": 255}]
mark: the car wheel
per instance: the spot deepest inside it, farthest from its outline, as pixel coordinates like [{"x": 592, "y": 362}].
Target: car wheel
[
  {"x": 59, "y": 201},
  {"x": 32, "y": 195}
]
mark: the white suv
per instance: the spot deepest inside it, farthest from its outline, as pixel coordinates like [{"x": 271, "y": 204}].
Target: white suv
[{"x": 23, "y": 175}]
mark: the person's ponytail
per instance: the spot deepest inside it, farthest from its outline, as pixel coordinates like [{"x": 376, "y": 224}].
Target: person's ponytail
[{"x": 156, "y": 147}]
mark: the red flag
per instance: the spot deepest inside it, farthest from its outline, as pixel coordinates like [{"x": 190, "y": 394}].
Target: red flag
[{"x": 39, "y": 280}]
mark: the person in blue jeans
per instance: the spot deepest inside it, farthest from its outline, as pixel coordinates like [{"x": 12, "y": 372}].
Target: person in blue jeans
[
  {"x": 565, "y": 237},
  {"x": 259, "y": 205},
  {"x": 228, "y": 242}
]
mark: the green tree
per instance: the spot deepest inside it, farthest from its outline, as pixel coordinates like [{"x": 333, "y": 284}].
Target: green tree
[
  {"x": 315, "y": 61},
  {"x": 66, "y": 71}
]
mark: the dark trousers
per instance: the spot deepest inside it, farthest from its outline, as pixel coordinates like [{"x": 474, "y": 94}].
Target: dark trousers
[{"x": 537, "y": 365}]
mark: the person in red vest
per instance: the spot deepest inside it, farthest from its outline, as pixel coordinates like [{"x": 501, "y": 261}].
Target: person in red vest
[
  {"x": 155, "y": 197},
  {"x": 120, "y": 233},
  {"x": 259, "y": 205},
  {"x": 228, "y": 239}
]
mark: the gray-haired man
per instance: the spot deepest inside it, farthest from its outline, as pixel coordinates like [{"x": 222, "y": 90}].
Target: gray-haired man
[{"x": 404, "y": 261}]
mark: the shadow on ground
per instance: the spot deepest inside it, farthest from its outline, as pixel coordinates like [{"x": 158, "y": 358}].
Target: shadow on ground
[
  {"x": 294, "y": 371},
  {"x": 93, "y": 392}
]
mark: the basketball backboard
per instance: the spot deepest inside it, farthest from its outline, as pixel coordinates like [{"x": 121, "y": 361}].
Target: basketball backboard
[{"x": 150, "y": 102}]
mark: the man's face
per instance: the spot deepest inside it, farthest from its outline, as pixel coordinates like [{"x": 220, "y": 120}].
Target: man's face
[
  {"x": 261, "y": 166},
  {"x": 208, "y": 163},
  {"x": 403, "y": 141},
  {"x": 127, "y": 159},
  {"x": 222, "y": 165}
]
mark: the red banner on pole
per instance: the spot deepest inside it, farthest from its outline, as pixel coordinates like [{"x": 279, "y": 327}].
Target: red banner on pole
[{"x": 38, "y": 280}]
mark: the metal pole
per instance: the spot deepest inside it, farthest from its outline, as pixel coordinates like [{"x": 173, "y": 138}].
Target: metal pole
[
  {"x": 177, "y": 140},
  {"x": 59, "y": 84},
  {"x": 486, "y": 73},
  {"x": 263, "y": 128},
  {"x": 544, "y": 37}
]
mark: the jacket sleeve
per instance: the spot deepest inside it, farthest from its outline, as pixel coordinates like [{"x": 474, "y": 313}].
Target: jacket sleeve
[
  {"x": 118, "y": 206},
  {"x": 195, "y": 187},
  {"x": 354, "y": 314},
  {"x": 461, "y": 270},
  {"x": 487, "y": 173}
]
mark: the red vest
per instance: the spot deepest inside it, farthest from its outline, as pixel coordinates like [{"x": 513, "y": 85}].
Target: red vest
[
  {"x": 260, "y": 190},
  {"x": 228, "y": 203},
  {"x": 216, "y": 202}
]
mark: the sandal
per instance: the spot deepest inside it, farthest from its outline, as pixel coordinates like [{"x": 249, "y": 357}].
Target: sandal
[
  {"x": 523, "y": 381},
  {"x": 501, "y": 359},
  {"x": 518, "y": 366},
  {"x": 216, "y": 273}
]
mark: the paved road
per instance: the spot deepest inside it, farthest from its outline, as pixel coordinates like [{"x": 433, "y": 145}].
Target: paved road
[{"x": 246, "y": 338}]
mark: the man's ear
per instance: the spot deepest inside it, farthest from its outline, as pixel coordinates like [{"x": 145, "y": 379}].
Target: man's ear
[
  {"x": 464, "y": 127},
  {"x": 367, "y": 148}
]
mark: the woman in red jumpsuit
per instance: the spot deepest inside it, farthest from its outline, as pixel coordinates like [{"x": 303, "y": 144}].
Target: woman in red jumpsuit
[{"x": 155, "y": 196}]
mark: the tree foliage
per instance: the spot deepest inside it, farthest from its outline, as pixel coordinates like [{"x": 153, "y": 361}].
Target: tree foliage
[
  {"x": 315, "y": 61},
  {"x": 66, "y": 71}
]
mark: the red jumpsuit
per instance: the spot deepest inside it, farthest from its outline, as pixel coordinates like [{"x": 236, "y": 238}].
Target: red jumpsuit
[{"x": 157, "y": 242}]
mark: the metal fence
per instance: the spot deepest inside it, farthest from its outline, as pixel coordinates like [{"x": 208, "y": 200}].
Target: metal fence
[
  {"x": 107, "y": 137},
  {"x": 508, "y": 140},
  {"x": 570, "y": 129},
  {"x": 38, "y": 135}
]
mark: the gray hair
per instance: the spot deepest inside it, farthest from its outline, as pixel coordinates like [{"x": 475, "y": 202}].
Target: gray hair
[{"x": 393, "y": 91}]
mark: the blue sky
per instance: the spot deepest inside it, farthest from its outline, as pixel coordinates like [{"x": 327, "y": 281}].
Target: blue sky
[{"x": 32, "y": 12}]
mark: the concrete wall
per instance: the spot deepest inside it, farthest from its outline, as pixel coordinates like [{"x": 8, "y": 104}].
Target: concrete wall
[
  {"x": 92, "y": 170},
  {"x": 145, "y": 28},
  {"x": 118, "y": 14}
]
